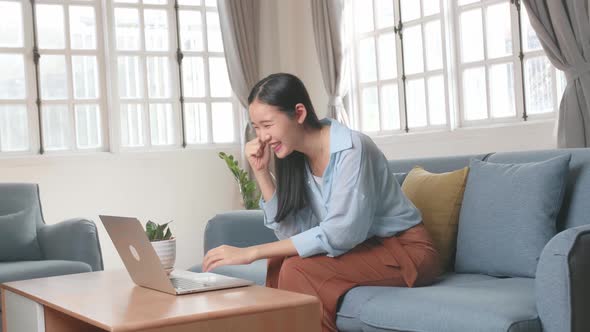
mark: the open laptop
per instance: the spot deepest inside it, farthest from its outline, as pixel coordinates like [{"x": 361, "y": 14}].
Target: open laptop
[{"x": 145, "y": 269}]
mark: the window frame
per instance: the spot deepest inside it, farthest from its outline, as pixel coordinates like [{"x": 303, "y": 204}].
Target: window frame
[
  {"x": 452, "y": 71},
  {"x": 208, "y": 99},
  {"x": 108, "y": 99},
  {"x": 142, "y": 54},
  {"x": 71, "y": 101},
  {"x": 486, "y": 63},
  {"x": 26, "y": 52},
  {"x": 426, "y": 73}
]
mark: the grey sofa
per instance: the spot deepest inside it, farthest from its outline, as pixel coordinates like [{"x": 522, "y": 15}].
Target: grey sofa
[
  {"x": 556, "y": 300},
  {"x": 68, "y": 247}
]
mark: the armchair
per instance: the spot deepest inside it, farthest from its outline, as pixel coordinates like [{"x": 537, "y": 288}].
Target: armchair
[{"x": 32, "y": 249}]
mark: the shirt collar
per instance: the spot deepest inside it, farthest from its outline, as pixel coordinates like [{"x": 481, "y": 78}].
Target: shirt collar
[{"x": 340, "y": 135}]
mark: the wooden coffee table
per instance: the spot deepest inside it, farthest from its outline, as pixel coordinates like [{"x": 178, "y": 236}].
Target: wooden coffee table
[{"x": 110, "y": 301}]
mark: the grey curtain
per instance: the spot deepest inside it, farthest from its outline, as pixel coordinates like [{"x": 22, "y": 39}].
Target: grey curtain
[
  {"x": 239, "y": 21},
  {"x": 333, "y": 53},
  {"x": 563, "y": 28}
]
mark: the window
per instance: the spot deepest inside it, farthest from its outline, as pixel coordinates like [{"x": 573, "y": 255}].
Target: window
[
  {"x": 487, "y": 60},
  {"x": 14, "y": 93},
  {"x": 378, "y": 71},
  {"x": 209, "y": 106},
  {"x": 162, "y": 82},
  {"x": 425, "y": 65},
  {"x": 146, "y": 87},
  {"x": 71, "y": 91},
  {"x": 72, "y": 102},
  {"x": 413, "y": 59},
  {"x": 156, "y": 98}
]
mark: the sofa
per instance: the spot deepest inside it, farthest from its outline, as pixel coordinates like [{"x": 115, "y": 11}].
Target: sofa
[
  {"x": 29, "y": 248},
  {"x": 556, "y": 298}
]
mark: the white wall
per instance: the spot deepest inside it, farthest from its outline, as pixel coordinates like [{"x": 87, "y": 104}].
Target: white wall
[
  {"x": 296, "y": 49},
  {"x": 187, "y": 186}
]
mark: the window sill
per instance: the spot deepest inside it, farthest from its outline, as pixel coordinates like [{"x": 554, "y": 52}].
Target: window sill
[
  {"x": 468, "y": 132},
  {"x": 56, "y": 158}
]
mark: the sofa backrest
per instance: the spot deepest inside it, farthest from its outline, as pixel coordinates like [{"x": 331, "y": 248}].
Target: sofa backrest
[
  {"x": 434, "y": 165},
  {"x": 575, "y": 210},
  {"x": 15, "y": 197}
]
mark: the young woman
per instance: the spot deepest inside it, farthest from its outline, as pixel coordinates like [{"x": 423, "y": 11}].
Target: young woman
[{"x": 339, "y": 214}]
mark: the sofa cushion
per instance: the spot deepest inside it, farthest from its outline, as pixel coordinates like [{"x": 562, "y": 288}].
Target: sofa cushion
[
  {"x": 11, "y": 271},
  {"x": 508, "y": 215},
  {"x": 255, "y": 271},
  {"x": 439, "y": 198},
  {"x": 19, "y": 237},
  {"x": 469, "y": 305},
  {"x": 348, "y": 316}
]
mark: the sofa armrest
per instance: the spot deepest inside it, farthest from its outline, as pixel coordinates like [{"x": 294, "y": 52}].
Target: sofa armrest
[
  {"x": 72, "y": 240},
  {"x": 242, "y": 228},
  {"x": 562, "y": 289}
]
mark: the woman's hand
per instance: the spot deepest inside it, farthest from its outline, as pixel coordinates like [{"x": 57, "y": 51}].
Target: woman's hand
[
  {"x": 258, "y": 153},
  {"x": 228, "y": 255}
]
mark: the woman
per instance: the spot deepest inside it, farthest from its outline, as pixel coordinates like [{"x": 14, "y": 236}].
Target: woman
[{"x": 339, "y": 214}]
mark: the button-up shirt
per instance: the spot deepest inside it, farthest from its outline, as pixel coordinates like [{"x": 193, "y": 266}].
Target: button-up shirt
[{"x": 360, "y": 198}]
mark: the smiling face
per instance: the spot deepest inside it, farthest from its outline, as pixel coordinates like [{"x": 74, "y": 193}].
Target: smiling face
[{"x": 284, "y": 131}]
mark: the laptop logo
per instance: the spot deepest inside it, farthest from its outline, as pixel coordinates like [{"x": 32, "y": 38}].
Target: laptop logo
[{"x": 134, "y": 252}]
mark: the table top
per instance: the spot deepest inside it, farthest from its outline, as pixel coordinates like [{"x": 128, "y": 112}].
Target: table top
[{"x": 111, "y": 301}]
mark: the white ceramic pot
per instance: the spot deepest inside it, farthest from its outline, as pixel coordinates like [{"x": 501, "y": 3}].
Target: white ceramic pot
[{"x": 166, "y": 251}]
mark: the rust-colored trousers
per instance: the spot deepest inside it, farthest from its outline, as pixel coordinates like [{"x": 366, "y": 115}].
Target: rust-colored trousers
[{"x": 407, "y": 259}]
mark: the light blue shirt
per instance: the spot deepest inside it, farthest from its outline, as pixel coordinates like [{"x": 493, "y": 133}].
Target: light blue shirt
[{"x": 359, "y": 199}]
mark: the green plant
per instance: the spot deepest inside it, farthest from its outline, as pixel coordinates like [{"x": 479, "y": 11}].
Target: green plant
[
  {"x": 250, "y": 195},
  {"x": 157, "y": 232}
]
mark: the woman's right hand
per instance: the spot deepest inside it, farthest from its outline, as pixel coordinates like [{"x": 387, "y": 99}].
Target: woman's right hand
[{"x": 258, "y": 153}]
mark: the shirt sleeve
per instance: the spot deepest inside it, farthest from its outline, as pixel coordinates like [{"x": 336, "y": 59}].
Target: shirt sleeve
[
  {"x": 350, "y": 211},
  {"x": 293, "y": 224}
]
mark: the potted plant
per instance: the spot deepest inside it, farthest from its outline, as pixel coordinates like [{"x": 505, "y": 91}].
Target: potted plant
[
  {"x": 163, "y": 242},
  {"x": 250, "y": 195}
]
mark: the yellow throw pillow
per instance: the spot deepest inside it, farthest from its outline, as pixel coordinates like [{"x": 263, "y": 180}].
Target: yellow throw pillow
[{"x": 439, "y": 198}]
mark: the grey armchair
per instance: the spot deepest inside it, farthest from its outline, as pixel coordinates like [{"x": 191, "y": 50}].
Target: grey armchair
[{"x": 29, "y": 248}]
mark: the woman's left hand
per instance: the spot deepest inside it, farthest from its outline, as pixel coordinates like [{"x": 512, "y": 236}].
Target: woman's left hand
[{"x": 228, "y": 255}]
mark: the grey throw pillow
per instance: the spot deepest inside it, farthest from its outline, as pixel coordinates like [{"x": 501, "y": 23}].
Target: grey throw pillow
[
  {"x": 19, "y": 237},
  {"x": 508, "y": 214}
]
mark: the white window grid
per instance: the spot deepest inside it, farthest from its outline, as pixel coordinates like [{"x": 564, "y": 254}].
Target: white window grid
[
  {"x": 153, "y": 118},
  {"x": 75, "y": 117},
  {"x": 522, "y": 94},
  {"x": 426, "y": 75},
  {"x": 205, "y": 101},
  {"x": 377, "y": 83},
  {"x": 480, "y": 9},
  {"x": 453, "y": 68},
  {"x": 105, "y": 38},
  {"x": 20, "y": 124},
  {"x": 422, "y": 76},
  {"x": 70, "y": 131},
  {"x": 199, "y": 127}
]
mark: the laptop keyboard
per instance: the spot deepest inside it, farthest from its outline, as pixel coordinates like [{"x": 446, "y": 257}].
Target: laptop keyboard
[{"x": 182, "y": 283}]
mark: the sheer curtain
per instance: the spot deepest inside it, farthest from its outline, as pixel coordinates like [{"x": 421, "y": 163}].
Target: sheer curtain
[
  {"x": 563, "y": 28},
  {"x": 239, "y": 21},
  {"x": 333, "y": 51}
]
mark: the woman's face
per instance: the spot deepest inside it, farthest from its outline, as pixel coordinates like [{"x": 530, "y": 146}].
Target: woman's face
[{"x": 282, "y": 132}]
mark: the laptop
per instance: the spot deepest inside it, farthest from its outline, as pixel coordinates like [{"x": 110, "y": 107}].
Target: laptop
[{"x": 144, "y": 267}]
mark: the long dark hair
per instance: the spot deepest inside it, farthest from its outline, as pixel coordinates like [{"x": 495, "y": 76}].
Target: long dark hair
[{"x": 285, "y": 91}]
